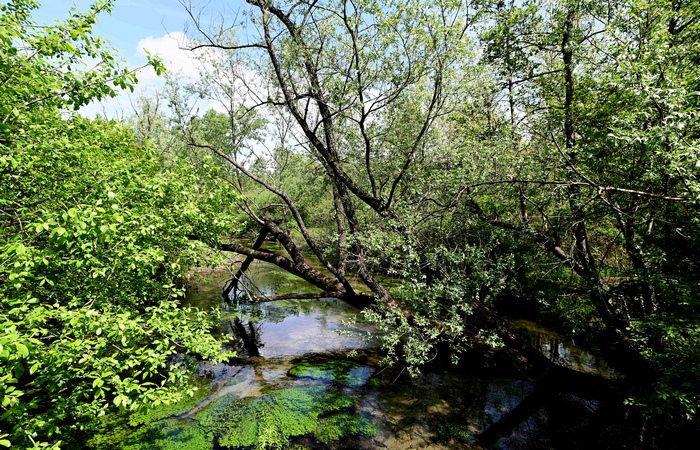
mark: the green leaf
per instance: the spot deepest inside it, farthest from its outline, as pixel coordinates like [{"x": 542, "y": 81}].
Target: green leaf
[{"x": 22, "y": 349}]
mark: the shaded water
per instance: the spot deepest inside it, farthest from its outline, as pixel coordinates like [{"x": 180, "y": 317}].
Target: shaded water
[
  {"x": 295, "y": 384},
  {"x": 564, "y": 351}
]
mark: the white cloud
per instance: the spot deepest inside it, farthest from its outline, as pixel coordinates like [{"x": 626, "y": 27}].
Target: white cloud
[
  {"x": 111, "y": 108},
  {"x": 172, "y": 48}
]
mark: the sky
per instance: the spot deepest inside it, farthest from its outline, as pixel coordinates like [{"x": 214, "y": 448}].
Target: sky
[{"x": 135, "y": 25}]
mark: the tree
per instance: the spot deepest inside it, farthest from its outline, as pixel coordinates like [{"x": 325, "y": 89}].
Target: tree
[
  {"x": 457, "y": 173},
  {"x": 606, "y": 103},
  {"x": 365, "y": 88},
  {"x": 359, "y": 86}
]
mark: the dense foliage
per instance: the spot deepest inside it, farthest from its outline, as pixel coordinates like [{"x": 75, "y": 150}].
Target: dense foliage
[
  {"x": 92, "y": 244},
  {"x": 541, "y": 153},
  {"x": 537, "y": 155}
]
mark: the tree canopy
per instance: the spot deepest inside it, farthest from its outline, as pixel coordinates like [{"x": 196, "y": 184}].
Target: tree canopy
[
  {"x": 491, "y": 156},
  {"x": 483, "y": 151}
]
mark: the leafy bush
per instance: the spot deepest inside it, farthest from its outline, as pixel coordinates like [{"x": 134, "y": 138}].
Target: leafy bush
[{"x": 92, "y": 244}]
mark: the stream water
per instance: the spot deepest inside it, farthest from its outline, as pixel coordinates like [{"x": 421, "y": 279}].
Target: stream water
[{"x": 305, "y": 379}]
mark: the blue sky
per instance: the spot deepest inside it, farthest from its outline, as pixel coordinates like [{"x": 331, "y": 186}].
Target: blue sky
[
  {"x": 156, "y": 25},
  {"x": 131, "y": 20}
]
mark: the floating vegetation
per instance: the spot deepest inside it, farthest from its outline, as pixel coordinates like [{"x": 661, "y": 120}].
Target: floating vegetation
[{"x": 346, "y": 373}]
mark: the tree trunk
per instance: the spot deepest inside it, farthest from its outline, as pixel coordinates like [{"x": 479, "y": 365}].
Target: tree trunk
[{"x": 232, "y": 285}]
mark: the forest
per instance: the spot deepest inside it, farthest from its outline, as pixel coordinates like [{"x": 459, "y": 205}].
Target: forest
[{"x": 535, "y": 158}]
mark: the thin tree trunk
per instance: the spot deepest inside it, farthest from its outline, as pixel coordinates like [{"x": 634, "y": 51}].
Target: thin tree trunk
[{"x": 232, "y": 285}]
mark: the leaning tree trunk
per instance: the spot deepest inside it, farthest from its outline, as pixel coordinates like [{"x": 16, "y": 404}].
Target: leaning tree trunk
[{"x": 232, "y": 285}]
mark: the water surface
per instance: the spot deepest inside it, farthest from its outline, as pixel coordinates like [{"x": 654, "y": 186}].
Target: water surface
[{"x": 305, "y": 378}]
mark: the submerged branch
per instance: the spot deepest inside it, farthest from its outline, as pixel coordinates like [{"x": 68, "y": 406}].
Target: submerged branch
[{"x": 299, "y": 296}]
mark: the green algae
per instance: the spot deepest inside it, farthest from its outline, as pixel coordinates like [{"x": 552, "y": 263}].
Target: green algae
[
  {"x": 453, "y": 427},
  {"x": 342, "y": 425},
  {"x": 111, "y": 430},
  {"x": 345, "y": 373},
  {"x": 269, "y": 421},
  {"x": 266, "y": 389},
  {"x": 374, "y": 383},
  {"x": 174, "y": 434},
  {"x": 217, "y": 411},
  {"x": 118, "y": 429},
  {"x": 336, "y": 401},
  {"x": 170, "y": 434},
  {"x": 272, "y": 420}
]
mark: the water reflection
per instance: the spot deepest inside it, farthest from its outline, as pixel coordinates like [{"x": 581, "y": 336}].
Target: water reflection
[
  {"x": 565, "y": 352},
  {"x": 445, "y": 409}
]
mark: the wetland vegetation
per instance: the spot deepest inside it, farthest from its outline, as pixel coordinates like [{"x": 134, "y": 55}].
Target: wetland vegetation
[{"x": 403, "y": 223}]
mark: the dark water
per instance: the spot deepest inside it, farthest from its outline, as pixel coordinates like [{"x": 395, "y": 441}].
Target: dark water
[
  {"x": 565, "y": 352},
  {"x": 303, "y": 369}
]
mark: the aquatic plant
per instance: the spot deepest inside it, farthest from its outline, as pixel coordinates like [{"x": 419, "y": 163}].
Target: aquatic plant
[
  {"x": 346, "y": 373},
  {"x": 374, "y": 383},
  {"x": 216, "y": 412},
  {"x": 170, "y": 434},
  {"x": 336, "y": 401},
  {"x": 272, "y": 420},
  {"x": 341, "y": 425},
  {"x": 268, "y": 421},
  {"x": 117, "y": 428},
  {"x": 175, "y": 409},
  {"x": 110, "y": 431},
  {"x": 453, "y": 427}
]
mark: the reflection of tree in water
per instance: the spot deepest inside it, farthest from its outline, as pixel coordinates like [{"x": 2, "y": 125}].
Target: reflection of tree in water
[
  {"x": 247, "y": 323},
  {"x": 241, "y": 288},
  {"x": 567, "y": 354},
  {"x": 250, "y": 335},
  {"x": 273, "y": 312}
]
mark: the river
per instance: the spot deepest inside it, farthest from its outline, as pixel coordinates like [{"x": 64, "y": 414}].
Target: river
[{"x": 305, "y": 377}]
